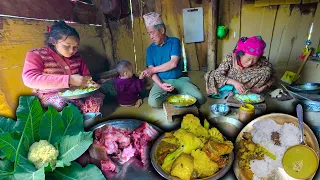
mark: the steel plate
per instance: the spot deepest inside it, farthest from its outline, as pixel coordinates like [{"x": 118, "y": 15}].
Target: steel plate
[
  {"x": 261, "y": 99},
  {"x": 79, "y": 96},
  {"x": 279, "y": 118},
  {"x": 305, "y": 87},
  {"x": 158, "y": 168},
  {"x": 181, "y": 100},
  {"x": 133, "y": 169}
]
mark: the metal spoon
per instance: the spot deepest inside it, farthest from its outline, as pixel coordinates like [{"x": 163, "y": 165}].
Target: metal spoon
[{"x": 300, "y": 120}]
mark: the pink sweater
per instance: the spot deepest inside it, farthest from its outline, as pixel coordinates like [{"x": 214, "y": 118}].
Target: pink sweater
[{"x": 45, "y": 71}]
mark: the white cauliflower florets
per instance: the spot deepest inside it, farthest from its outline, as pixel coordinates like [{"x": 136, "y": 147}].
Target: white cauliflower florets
[{"x": 42, "y": 152}]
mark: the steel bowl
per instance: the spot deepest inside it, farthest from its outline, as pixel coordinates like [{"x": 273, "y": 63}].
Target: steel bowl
[
  {"x": 158, "y": 168},
  {"x": 228, "y": 126},
  {"x": 181, "y": 100},
  {"x": 305, "y": 87},
  {"x": 219, "y": 109}
]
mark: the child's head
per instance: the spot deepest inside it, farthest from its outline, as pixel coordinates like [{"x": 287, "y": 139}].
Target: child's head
[
  {"x": 124, "y": 68},
  {"x": 64, "y": 38}
]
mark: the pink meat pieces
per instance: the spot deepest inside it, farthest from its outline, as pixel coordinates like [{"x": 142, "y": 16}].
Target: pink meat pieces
[
  {"x": 108, "y": 165},
  {"x": 124, "y": 141},
  {"x": 113, "y": 138},
  {"x": 127, "y": 153},
  {"x": 141, "y": 136},
  {"x": 110, "y": 144}
]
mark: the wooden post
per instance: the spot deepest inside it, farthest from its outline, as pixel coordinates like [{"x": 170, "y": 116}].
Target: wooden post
[
  {"x": 105, "y": 35},
  {"x": 212, "y": 35}
]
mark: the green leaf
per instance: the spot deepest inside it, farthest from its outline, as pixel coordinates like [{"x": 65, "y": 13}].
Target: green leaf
[
  {"x": 29, "y": 113},
  {"x": 72, "y": 119},
  {"x": 6, "y": 166},
  {"x": 60, "y": 163},
  {"x": 6, "y": 125},
  {"x": 76, "y": 172},
  {"x": 6, "y": 170},
  {"x": 7, "y": 176},
  {"x": 2, "y": 156},
  {"x": 8, "y": 146},
  {"x": 51, "y": 126},
  {"x": 26, "y": 171},
  {"x": 72, "y": 147}
]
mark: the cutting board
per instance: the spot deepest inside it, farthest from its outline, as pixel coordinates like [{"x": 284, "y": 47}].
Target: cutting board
[{"x": 193, "y": 25}]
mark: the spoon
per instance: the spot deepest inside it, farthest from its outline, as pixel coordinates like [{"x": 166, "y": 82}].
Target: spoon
[{"x": 300, "y": 120}]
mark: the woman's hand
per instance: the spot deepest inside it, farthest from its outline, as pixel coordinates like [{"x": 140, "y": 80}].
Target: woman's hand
[
  {"x": 78, "y": 80},
  {"x": 167, "y": 87},
  {"x": 239, "y": 86},
  {"x": 211, "y": 91},
  {"x": 258, "y": 90}
]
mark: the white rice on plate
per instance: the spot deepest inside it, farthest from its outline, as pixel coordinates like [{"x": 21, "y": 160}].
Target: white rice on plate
[{"x": 261, "y": 134}]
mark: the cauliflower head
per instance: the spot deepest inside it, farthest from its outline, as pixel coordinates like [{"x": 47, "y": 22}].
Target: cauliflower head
[
  {"x": 42, "y": 152},
  {"x": 202, "y": 164},
  {"x": 216, "y": 135},
  {"x": 192, "y": 124},
  {"x": 189, "y": 141}
]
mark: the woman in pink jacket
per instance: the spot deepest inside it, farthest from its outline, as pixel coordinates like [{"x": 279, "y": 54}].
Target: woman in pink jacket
[{"x": 57, "y": 66}]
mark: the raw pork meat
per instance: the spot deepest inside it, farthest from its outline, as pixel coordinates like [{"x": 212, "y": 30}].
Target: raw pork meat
[
  {"x": 141, "y": 136},
  {"x": 108, "y": 165},
  {"x": 122, "y": 144}
]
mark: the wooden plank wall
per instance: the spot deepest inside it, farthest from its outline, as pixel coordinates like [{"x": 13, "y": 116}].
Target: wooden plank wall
[
  {"x": 48, "y": 9},
  {"x": 130, "y": 40},
  {"x": 285, "y": 28},
  {"x": 17, "y": 36}
]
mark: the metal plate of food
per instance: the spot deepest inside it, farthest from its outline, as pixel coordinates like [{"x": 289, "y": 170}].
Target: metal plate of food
[
  {"x": 190, "y": 151},
  {"x": 78, "y": 93},
  {"x": 132, "y": 169},
  {"x": 181, "y": 100},
  {"x": 243, "y": 163},
  {"x": 310, "y": 106},
  {"x": 250, "y": 98},
  {"x": 305, "y": 87}
]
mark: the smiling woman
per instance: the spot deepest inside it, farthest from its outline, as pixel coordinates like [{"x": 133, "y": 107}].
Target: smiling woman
[
  {"x": 58, "y": 66},
  {"x": 245, "y": 69}
]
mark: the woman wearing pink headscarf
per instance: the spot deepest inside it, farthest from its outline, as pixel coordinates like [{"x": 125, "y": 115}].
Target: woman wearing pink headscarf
[{"x": 245, "y": 69}]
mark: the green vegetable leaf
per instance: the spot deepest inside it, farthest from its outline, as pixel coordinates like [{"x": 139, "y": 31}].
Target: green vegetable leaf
[
  {"x": 6, "y": 170},
  {"x": 26, "y": 171},
  {"x": 2, "y": 156},
  {"x": 51, "y": 126},
  {"x": 6, "y": 166},
  {"x": 72, "y": 119},
  {"x": 8, "y": 146},
  {"x": 72, "y": 147},
  {"x": 6, "y": 125},
  {"x": 76, "y": 172},
  {"x": 59, "y": 163},
  {"x": 29, "y": 113}
]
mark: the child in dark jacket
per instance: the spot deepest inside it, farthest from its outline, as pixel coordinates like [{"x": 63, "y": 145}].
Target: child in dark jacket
[{"x": 128, "y": 86}]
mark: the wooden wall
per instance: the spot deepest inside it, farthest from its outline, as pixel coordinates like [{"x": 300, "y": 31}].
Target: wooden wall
[
  {"x": 17, "y": 36},
  {"x": 130, "y": 39},
  {"x": 285, "y": 28}
]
